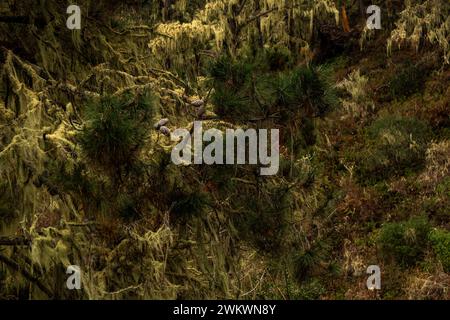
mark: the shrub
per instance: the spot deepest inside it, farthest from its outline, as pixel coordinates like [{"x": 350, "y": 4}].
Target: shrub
[
  {"x": 440, "y": 240},
  {"x": 393, "y": 146},
  {"x": 115, "y": 130},
  {"x": 408, "y": 81},
  {"x": 405, "y": 242},
  {"x": 358, "y": 102},
  {"x": 437, "y": 162}
]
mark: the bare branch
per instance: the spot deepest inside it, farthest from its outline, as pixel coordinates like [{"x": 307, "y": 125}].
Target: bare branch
[
  {"x": 14, "y": 241},
  {"x": 16, "y": 267}
]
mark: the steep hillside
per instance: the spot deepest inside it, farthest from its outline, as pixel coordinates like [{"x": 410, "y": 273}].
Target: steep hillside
[{"x": 87, "y": 177}]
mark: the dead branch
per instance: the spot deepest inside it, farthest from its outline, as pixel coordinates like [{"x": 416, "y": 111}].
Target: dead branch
[
  {"x": 14, "y": 241},
  {"x": 16, "y": 267}
]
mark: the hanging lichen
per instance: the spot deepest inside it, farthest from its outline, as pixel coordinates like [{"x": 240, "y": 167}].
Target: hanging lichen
[{"x": 427, "y": 21}]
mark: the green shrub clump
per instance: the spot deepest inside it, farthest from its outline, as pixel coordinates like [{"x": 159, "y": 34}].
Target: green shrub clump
[
  {"x": 405, "y": 242},
  {"x": 440, "y": 240},
  {"x": 408, "y": 81},
  {"x": 393, "y": 146}
]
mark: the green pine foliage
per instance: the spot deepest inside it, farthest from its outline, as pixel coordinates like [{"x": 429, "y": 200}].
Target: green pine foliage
[
  {"x": 254, "y": 88},
  {"x": 114, "y": 131}
]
